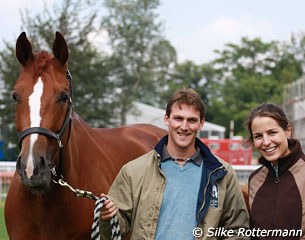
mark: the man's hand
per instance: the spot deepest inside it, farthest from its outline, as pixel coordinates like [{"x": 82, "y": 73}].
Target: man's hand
[{"x": 108, "y": 210}]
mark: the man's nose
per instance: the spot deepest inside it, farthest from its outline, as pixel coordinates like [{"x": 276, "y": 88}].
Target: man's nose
[{"x": 184, "y": 125}]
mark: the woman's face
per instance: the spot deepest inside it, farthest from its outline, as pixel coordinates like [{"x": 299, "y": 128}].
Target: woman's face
[{"x": 269, "y": 138}]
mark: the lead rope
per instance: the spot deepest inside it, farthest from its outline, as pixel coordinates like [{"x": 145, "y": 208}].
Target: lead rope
[
  {"x": 99, "y": 203},
  {"x": 114, "y": 222}
]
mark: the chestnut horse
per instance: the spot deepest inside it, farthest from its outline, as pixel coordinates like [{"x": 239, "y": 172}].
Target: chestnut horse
[{"x": 55, "y": 143}]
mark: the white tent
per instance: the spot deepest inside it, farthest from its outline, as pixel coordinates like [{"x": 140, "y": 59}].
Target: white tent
[{"x": 143, "y": 113}]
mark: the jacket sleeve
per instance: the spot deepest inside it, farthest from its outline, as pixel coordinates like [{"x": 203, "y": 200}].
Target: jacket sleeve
[
  {"x": 235, "y": 214},
  {"x": 120, "y": 194}
]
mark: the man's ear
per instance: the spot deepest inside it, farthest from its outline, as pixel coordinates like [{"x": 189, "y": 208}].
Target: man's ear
[
  {"x": 202, "y": 123},
  {"x": 166, "y": 117}
]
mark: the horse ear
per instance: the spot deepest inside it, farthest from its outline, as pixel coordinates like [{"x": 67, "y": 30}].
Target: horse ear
[
  {"x": 23, "y": 49},
  {"x": 60, "y": 49}
]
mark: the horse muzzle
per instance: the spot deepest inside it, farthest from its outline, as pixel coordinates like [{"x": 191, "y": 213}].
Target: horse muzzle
[{"x": 34, "y": 173}]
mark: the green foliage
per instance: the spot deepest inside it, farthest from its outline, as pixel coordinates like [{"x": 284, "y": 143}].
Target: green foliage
[
  {"x": 87, "y": 63},
  {"x": 141, "y": 57},
  {"x": 251, "y": 73},
  {"x": 189, "y": 75},
  {"x": 93, "y": 96},
  {"x": 243, "y": 76},
  {"x": 9, "y": 70},
  {"x": 296, "y": 47},
  {"x": 105, "y": 84}
]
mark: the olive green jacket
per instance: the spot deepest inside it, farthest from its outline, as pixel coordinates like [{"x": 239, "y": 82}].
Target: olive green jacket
[{"x": 138, "y": 190}]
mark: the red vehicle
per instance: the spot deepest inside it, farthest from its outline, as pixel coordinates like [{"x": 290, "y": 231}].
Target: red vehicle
[{"x": 234, "y": 151}]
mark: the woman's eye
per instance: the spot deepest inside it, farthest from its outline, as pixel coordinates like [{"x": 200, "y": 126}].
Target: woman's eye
[{"x": 257, "y": 137}]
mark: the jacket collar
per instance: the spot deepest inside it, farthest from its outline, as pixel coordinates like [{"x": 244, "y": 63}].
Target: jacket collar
[
  {"x": 196, "y": 158},
  {"x": 210, "y": 161},
  {"x": 286, "y": 162}
]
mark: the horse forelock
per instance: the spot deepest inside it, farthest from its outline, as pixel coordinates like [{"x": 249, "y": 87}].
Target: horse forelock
[
  {"x": 44, "y": 65},
  {"x": 36, "y": 67},
  {"x": 42, "y": 62}
]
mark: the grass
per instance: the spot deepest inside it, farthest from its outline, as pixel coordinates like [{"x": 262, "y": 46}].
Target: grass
[{"x": 3, "y": 233}]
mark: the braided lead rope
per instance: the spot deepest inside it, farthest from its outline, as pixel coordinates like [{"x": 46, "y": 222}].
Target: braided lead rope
[
  {"x": 114, "y": 222},
  {"x": 99, "y": 203}
]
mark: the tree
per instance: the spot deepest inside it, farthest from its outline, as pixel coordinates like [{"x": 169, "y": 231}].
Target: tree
[
  {"x": 249, "y": 74},
  {"x": 140, "y": 55},
  {"x": 296, "y": 46},
  {"x": 199, "y": 77},
  {"x": 87, "y": 64}
]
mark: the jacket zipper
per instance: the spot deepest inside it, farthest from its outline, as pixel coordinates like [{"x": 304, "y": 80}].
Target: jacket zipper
[
  {"x": 205, "y": 189},
  {"x": 276, "y": 170},
  {"x": 275, "y": 204},
  {"x": 277, "y": 179}
]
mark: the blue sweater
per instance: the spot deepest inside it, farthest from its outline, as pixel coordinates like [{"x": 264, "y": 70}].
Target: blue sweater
[{"x": 182, "y": 187}]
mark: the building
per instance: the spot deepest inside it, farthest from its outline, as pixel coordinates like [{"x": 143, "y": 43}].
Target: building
[{"x": 294, "y": 106}]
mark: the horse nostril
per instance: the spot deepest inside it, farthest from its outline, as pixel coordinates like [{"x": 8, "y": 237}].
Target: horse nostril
[
  {"x": 42, "y": 162},
  {"x": 20, "y": 167},
  {"x": 18, "y": 163},
  {"x": 42, "y": 166}
]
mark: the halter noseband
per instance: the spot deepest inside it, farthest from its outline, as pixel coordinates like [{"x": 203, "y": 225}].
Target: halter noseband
[{"x": 57, "y": 172}]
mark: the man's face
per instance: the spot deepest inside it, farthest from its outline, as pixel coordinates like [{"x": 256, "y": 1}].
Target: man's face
[{"x": 183, "y": 124}]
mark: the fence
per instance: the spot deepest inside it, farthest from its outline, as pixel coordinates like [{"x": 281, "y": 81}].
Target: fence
[
  {"x": 7, "y": 170},
  {"x": 243, "y": 172}
]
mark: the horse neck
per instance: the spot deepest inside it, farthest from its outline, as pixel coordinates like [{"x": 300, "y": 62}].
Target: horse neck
[{"x": 71, "y": 152}]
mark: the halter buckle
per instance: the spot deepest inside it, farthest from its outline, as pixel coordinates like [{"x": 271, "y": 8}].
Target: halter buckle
[{"x": 60, "y": 143}]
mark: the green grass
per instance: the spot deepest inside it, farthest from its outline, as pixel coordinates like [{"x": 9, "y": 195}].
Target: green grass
[{"x": 3, "y": 233}]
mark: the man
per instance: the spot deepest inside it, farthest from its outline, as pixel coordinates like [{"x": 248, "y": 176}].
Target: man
[{"x": 179, "y": 190}]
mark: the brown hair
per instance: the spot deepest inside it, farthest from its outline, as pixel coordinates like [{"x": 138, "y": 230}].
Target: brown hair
[
  {"x": 189, "y": 97},
  {"x": 267, "y": 110}
]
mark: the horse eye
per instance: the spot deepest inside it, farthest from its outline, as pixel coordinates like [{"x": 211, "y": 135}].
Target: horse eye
[
  {"x": 14, "y": 96},
  {"x": 64, "y": 97}
]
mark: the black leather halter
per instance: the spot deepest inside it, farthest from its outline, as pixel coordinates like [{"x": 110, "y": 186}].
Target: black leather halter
[{"x": 58, "y": 170}]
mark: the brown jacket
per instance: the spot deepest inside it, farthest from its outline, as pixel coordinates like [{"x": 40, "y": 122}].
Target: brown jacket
[{"x": 277, "y": 197}]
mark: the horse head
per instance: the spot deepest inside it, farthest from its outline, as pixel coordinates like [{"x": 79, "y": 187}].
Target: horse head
[{"x": 43, "y": 111}]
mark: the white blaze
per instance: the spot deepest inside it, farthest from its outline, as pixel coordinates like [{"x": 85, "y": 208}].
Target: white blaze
[{"x": 35, "y": 119}]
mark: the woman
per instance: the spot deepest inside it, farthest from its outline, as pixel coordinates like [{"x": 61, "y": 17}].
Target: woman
[{"x": 277, "y": 188}]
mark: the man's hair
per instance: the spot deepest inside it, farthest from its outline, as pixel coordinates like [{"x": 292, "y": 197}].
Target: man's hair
[{"x": 189, "y": 97}]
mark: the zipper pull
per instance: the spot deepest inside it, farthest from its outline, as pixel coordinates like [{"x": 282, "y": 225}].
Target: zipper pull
[{"x": 276, "y": 170}]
